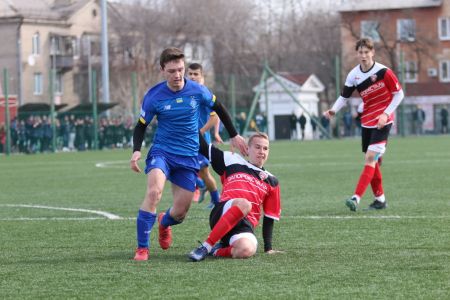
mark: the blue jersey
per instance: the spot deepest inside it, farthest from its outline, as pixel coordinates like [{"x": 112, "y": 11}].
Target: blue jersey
[
  {"x": 205, "y": 113},
  {"x": 177, "y": 114}
]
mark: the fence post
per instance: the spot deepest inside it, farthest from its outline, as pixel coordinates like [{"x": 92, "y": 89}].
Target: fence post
[
  {"x": 7, "y": 121},
  {"x": 94, "y": 108}
]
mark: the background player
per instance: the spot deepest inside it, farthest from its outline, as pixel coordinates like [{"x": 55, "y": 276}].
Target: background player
[
  {"x": 207, "y": 119},
  {"x": 381, "y": 94}
]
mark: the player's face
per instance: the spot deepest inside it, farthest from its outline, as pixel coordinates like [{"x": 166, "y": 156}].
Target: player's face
[
  {"x": 365, "y": 56},
  {"x": 173, "y": 72},
  {"x": 196, "y": 75},
  {"x": 258, "y": 151}
]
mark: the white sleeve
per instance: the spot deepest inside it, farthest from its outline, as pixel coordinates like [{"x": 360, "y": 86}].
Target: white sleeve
[
  {"x": 396, "y": 100},
  {"x": 340, "y": 103}
]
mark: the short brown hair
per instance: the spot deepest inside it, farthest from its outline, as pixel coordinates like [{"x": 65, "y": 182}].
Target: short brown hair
[
  {"x": 364, "y": 42},
  {"x": 170, "y": 54},
  {"x": 196, "y": 66},
  {"x": 257, "y": 135}
]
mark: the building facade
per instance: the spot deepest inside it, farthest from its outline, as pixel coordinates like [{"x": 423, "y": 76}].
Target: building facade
[{"x": 40, "y": 38}]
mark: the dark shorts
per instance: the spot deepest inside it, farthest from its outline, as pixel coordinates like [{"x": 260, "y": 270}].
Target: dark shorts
[
  {"x": 371, "y": 136},
  {"x": 180, "y": 170},
  {"x": 244, "y": 225}
]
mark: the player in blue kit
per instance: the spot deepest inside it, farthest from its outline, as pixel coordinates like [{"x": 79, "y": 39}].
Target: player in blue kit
[
  {"x": 176, "y": 103},
  {"x": 207, "y": 120}
]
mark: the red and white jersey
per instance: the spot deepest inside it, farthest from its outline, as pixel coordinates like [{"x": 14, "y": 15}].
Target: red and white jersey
[
  {"x": 241, "y": 179},
  {"x": 376, "y": 88}
]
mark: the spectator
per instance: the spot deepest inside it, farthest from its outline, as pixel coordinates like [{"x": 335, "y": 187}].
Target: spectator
[
  {"x": 302, "y": 122},
  {"x": 293, "y": 126},
  {"x": 444, "y": 120},
  {"x": 419, "y": 119},
  {"x": 313, "y": 122}
]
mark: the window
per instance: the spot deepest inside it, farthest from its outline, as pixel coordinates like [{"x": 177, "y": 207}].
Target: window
[
  {"x": 76, "y": 47},
  {"x": 36, "y": 44},
  {"x": 406, "y": 30},
  {"x": 444, "y": 70},
  {"x": 38, "y": 83},
  {"x": 59, "y": 83},
  {"x": 369, "y": 29},
  {"x": 444, "y": 28},
  {"x": 411, "y": 71}
]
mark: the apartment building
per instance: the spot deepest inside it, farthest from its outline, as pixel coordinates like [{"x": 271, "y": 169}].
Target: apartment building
[
  {"x": 41, "y": 36},
  {"x": 411, "y": 37}
]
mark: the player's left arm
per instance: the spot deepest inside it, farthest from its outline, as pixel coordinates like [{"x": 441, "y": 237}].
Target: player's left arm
[
  {"x": 211, "y": 122},
  {"x": 397, "y": 97},
  {"x": 272, "y": 210}
]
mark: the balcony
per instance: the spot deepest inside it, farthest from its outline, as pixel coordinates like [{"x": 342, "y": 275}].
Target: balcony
[{"x": 62, "y": 62}]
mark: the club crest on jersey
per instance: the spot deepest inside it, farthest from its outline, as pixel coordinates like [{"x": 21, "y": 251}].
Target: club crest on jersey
[
  {"x": 263, "y": 175},
  {"x": 373, "y": 77},
  {"x": 193, "y": 103}
]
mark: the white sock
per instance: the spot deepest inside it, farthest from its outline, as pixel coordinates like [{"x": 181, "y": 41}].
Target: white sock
[
  {"x": 357, "y": 198},
  {"x": 381, "y": 198},
  {"x": 207, "y": 246}
]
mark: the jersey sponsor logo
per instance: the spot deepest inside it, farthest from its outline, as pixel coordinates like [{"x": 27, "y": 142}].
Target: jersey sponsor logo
[
  {"x": 179, "y": 100},
  {"x": 373, "y": 77},
  {"x": 248, "y": 178},
  {"x": 167, "y": 107},
  {"x": 373, "y": 88}
]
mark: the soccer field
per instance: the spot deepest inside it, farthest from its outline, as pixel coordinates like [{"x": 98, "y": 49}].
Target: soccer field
[{"x": 67, "y": 229}]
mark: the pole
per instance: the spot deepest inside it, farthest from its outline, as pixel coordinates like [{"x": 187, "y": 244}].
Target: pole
[
  {"x": 7, "y": 121},
  {"x": 402, "y": 106},
  {"x": 94, "y": 108},
  {"x": 337, "y": 66},
  {"x": 105, "y": 59},
  {"x": 266, "y": 65},
  {"x": 233, "y": 97},
  {"x": 52, "y": 95},
  {"x": 134, "y": 94},
  {"x": 89, "y": 69}
]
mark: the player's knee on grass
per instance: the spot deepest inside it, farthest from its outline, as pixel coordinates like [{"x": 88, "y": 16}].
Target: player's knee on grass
[{"x": 243, "y": 248}]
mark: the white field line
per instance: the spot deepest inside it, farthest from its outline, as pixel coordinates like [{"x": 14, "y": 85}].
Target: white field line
[
  {"x": 116, "y": 164},
  {"x": 97, "y": 212}
]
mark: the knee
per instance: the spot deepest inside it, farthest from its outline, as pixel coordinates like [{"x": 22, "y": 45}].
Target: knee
[
  {"x": 153, "y": 194},
  {"x": 244, "y": 252},
  {"x": 244, "y": 205}
]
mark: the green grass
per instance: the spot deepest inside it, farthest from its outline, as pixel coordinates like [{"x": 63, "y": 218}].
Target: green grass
[{"x": 330, "y": 252}]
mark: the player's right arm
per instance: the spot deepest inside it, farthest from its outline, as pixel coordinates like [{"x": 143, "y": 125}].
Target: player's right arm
[
  {"x": 138, "y": 136},
  {"x": 341, "y": 101}
]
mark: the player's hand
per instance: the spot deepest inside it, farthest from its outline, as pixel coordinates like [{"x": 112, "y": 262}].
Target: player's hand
[
  {"x": 134, "y": 161},
  {"x": 272, "y": 251},
  {"x": 218, "y": 139},
  {"x": 382, "y": 120},
  {"x": 239, "y": 142},
  {"x": 329, "y": 114}
]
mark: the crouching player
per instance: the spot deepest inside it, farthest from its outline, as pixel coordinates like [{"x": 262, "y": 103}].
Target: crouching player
[{"x": 247, "y": 187}]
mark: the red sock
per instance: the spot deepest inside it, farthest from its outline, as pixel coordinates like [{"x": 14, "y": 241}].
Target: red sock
[
  {"x": 364, "y": 180},
  {"x": 226, "y": 222},
  {"x": 377, "y": 182},
  {"x": 224, "y": 252}
]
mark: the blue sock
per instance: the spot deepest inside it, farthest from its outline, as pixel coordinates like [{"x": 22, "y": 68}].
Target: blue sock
[
  {"x": 144, "y": 224},
  {"x": 200, "y": 183},
  {"x": 215, "y": 196},
  {"x": 167, "y": 220}
]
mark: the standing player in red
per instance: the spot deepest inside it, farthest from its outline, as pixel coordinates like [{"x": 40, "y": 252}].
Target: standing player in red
[
  {"x": 381, "y": 94},
  {"x": 247, "y": 187}
]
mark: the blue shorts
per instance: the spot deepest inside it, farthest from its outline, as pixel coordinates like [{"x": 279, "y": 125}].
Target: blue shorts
[
  {"x": 203, "y": 161},
  {"x": 180, "y": 170}
]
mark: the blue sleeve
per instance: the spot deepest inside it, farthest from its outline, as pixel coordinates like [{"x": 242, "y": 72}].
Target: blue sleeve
[
  {"x": 148, "y": 110},
  {"x": 208, "y": 99}
]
